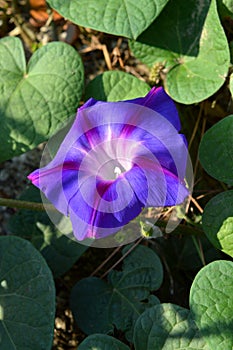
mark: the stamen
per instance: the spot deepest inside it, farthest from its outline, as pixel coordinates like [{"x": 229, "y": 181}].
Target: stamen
[{"x": 117, "y": 171}]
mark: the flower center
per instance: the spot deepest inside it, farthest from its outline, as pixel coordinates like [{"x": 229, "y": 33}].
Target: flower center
[
  {"x": 117, "y": 171},
  {"x": 110, "y": 159},
  {"x": 113, "y": 168}
]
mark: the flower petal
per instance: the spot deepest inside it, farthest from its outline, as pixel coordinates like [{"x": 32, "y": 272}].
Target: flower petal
[
  {"x": 49, "y": 181},
  {"x": 155, "y": 186},
  {"x": 158, "y": 100},
  {"x": 88, "y": 103},
  {"x": 85, "y": 208}
]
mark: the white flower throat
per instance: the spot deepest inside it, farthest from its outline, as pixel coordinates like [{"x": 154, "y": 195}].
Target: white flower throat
[{"x": 109, "y": 159}]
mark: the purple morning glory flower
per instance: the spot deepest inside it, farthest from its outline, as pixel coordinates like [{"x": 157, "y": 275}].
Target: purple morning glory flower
[{"x": 116, "y": 159}]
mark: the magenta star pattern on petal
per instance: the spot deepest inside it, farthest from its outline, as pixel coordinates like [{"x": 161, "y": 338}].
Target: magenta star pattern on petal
[{"x": 116, "y": 159}]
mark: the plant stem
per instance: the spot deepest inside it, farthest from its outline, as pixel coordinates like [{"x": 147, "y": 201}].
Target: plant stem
[
  {"x": 14, "y": 203},
  {"x": 198, "y": 246}
]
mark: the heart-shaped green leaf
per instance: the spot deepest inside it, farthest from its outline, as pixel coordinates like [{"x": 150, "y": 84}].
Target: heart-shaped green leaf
[
  {"x": 59, "y": 251},
  {"x": 98, "y": 305},
  {"x": 217, "y": 221},
  {"x": 211, "y": 304},
  {"x": 116, "y": 86},
  {"x": 36, "y": 99},
  {"x": 167, "y": 326},
  {"x": 182, "y": 40},
  {"x": 89, "y": 303},
  {"x": 207, "y": 326},
  {"x": 27, "y": 297},
  {"x": 126, "y": 18},
  {"x": 216, "y": 150},
  {"x": 102, "y": 342}
]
